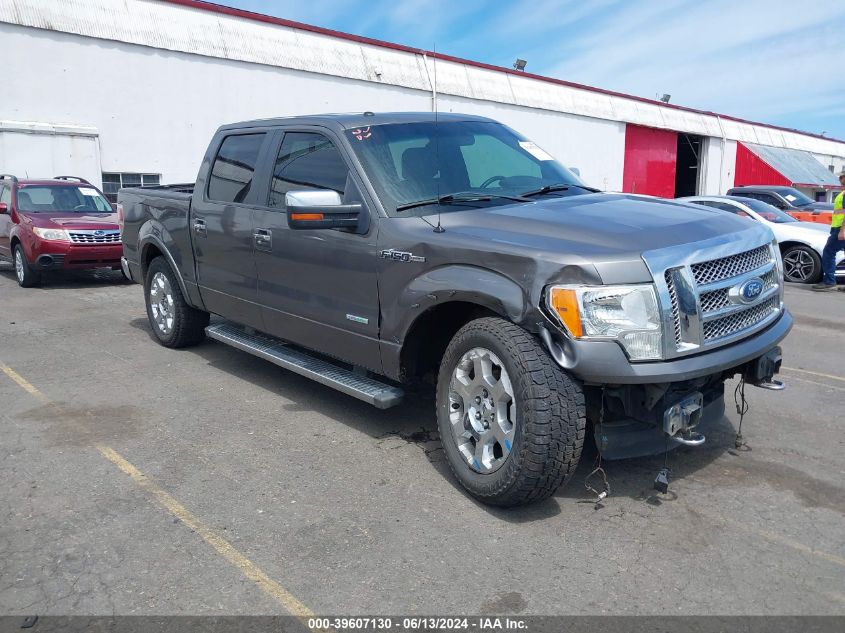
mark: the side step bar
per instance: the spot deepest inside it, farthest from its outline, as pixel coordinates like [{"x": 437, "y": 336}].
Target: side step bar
[{"x": 279, "y": 352}]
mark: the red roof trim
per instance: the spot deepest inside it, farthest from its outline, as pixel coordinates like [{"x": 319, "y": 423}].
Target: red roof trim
[{"x": 268, "y": 19}]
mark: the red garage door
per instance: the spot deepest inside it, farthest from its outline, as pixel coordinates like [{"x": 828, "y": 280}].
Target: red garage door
[{"x": 650, "y": 160}]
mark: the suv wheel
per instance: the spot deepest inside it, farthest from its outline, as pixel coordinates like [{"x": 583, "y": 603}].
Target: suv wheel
[
  {"x": 174, "y": 322},
  {"x": 26, "y": 276},
  {"x": 802, "y": 264},
  {"x": 510, "y": 421}
]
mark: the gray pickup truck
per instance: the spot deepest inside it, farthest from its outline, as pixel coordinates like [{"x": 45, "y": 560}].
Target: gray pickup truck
[{"x": 370, "y": 251}]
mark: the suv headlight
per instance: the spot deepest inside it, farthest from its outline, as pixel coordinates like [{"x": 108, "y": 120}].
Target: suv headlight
[
  {"x": 54, "y": 235},
  {"x": 627, "y": 314}
]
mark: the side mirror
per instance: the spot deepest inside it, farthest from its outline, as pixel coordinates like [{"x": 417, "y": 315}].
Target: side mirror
[
  {"x": 321, "y": 209},
  {"x": 4, "y": 208},
  {"x": 575, "y": 171}
]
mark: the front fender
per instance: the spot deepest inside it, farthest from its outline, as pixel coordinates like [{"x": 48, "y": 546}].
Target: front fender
[{"x": 446, "y": 284}]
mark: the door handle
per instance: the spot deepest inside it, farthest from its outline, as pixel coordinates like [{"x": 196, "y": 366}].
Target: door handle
[
  {"x": 199, "y": 227},
  {"x": 263, "y": 239}
]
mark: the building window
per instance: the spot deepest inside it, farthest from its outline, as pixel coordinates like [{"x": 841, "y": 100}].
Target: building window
[{"x": 113, "y": 181}]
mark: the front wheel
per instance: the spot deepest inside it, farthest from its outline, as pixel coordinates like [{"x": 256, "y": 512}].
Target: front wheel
[
  {"x": 26, "y": 276},
  {"x": 174, "y": 322},
  {"x": 510, "y": 421},
  {"x": 802, "y": 264}
]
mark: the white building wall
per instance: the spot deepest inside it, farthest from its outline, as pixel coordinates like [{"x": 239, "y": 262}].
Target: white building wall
[
  {"x": 173, "y": 73},
  {"x": 36, "y": 149},
  {"x": 161, "y": 111},
  {"x": 160, "y": 119}
]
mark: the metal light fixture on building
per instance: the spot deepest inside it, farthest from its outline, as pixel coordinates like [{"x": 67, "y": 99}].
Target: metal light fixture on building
[
  {"x": 520, "y": 64},
  {"x": 665, "y": 98}
]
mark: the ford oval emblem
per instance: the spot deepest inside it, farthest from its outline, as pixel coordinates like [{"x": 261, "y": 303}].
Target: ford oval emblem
[
  {"x": 751, "y": 289},
  {"x": 99, "y": 233}
]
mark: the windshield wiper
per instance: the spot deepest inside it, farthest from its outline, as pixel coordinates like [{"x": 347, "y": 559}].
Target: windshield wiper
[
  {"x": 558, "y": 187},
  {"x": 459, "y": 197}
]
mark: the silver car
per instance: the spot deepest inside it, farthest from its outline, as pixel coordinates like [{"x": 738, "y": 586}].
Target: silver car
[{"x": 801, "y": 243}]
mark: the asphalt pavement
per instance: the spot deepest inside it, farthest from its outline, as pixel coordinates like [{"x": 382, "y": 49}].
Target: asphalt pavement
[{"x": 143, "y": 480}]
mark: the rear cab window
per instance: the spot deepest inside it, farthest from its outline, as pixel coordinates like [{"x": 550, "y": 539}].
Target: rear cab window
[{"x": 233, "y": 171}]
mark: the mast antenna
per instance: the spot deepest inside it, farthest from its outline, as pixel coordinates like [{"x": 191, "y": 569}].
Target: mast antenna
[{"x": 439, "y": 228}]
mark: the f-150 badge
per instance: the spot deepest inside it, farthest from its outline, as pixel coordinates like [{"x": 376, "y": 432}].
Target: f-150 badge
[{"x": 400, "y": 256}]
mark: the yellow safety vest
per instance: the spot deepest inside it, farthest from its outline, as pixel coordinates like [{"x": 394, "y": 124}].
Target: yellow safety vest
[{"x": 838, "y": 214}]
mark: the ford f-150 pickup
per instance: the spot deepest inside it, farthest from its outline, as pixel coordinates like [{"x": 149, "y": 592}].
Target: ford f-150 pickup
[{"x": 369, "y": 251}]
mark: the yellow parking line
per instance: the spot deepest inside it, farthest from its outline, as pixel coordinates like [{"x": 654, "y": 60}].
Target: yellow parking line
[
  {"x": 26, "y": 386},
  {"x": 220, "y": 545},
  {"x": 814, "y": 373}
]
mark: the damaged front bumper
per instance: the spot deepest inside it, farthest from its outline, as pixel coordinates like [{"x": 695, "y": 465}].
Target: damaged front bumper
[{"x": 640, "y": 409}]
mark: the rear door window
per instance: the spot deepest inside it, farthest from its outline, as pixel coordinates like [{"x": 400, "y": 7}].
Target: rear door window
[{"x": 233, "y": 170}]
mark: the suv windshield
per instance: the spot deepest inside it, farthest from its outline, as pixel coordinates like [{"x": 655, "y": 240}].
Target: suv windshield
[
  {"x": 766, "y": 211},
  {"x": 474, "y": 162},
  {"x": 64, "y": 198}
]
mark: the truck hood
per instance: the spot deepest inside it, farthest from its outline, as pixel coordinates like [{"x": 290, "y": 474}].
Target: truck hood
[
  {"x": 70, "y": 221},
  {"x": 608, "y": 231},
  {"x": 596, "y": 223}
]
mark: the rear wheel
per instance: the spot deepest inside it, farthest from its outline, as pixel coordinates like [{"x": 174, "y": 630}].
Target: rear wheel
[
  {"x": 26, "y": 276},
  {"x": 510, "y": 421},
  {"x": 174, "y": 322},
  {"x": 802, "y": 264}
]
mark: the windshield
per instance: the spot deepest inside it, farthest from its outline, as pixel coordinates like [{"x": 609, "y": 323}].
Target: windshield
[
  {"x": 767, "y": 211},
  {"x": 64, "y": 198},
  {"x": 411, "y": 162},
  {"x": 796, "y": 198}
]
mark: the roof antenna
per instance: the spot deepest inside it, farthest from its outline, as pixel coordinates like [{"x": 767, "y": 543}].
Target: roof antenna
[{"x": 439, "y": 228}]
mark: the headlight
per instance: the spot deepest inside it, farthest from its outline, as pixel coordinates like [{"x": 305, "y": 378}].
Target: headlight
[
  {"x": 778, "y": 261},
  {"x": 54, "y": 235},
  {"x": 628, "y": 314}
]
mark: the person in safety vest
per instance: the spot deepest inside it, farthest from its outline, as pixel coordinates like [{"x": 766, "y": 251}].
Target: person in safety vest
[{"x": 835, "y": 243}]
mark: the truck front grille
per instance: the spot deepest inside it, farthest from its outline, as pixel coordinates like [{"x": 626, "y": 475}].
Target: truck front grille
[
  {"x": 739, "y": 321},
  {"x": 106, "y": 236},
  {"x": 702, "y": 298},
  {"x": 718, "y": 299},
  {"x": 732, "y": 266}
]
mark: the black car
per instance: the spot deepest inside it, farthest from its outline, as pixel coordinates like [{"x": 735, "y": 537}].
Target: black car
[{"x": 784, "y": 198}]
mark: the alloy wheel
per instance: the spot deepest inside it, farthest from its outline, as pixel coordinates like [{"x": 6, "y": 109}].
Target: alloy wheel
[
  {"x": 482, "y": 410},
  {"x": 161, "y": 303},
  {"x": 20, "y": 271},
  {"x": 798, "y": 266}
]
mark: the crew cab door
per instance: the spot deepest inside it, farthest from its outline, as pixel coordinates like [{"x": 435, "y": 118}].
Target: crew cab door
[
  {"x": 221, "y": 224},
  {"x": 317, "y": 287},
  {"x": 6, "y": 221}
]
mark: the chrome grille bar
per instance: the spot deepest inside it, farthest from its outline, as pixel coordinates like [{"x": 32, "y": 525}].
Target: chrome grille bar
[{"x": 94, "y": 236}]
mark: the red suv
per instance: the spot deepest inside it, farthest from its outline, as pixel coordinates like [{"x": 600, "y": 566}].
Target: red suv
[{"x": 59, "y": 224}]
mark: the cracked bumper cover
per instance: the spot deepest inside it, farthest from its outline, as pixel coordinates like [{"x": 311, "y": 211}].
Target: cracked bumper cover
[{"x": 604, "y": 362}]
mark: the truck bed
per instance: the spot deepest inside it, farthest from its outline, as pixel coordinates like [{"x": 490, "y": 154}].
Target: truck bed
[{"x": 167, "y": 208}]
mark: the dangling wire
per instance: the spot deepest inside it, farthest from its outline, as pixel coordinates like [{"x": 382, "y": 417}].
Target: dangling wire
[
  {"x": 598, "y": 470},
  {"x": 741, "y": 409}
]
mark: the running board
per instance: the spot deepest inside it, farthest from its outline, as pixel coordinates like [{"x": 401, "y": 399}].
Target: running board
[{"x": 279, "y": 352}]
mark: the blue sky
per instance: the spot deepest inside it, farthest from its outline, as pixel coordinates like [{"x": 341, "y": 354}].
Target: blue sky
[{"x": 774, "y": 61}]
